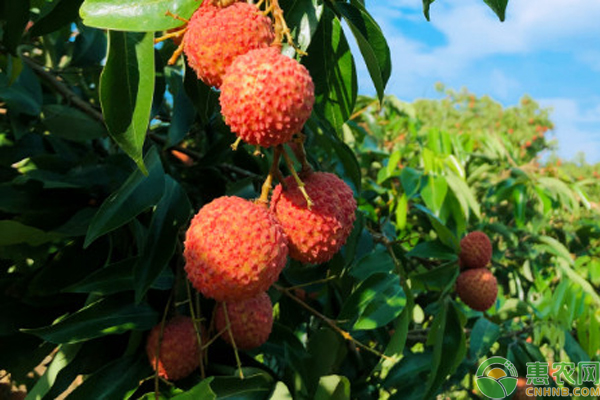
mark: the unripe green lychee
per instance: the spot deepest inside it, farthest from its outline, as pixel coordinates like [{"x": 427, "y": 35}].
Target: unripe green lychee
[
  {"x": 266, "y": 97},
  {"x": 475, "y": 250},
  {"x": 251, "y": 321},
  {"x": 315, "y": 234},
  {"x": 179, "y": 352},
  {"x": 477, "y": 288},
  {"x": 234, "y": 249},
  {"x": 217, "y": 36}
]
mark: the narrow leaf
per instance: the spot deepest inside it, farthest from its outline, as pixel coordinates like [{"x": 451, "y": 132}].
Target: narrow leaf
[
  {"x": 498, "y": 6},
  {"x": 126, "y": 90}
]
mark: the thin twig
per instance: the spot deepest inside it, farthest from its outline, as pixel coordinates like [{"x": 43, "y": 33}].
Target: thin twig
[
  {"x": 235, "y": 349},
  {"x": 330, "y": 322},
  {"x": 290, "y": 165}
]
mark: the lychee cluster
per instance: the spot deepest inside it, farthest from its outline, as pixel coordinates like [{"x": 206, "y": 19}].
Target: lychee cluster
[
  {"x": 476, "y": 285},
  {"x": 266, "y": 97}
]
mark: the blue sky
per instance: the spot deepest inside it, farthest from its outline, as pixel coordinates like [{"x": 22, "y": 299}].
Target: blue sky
[{"x": 549, "y": 49}]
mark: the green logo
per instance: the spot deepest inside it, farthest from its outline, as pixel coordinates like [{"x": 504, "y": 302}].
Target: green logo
[{"x": 497, "y": 378}]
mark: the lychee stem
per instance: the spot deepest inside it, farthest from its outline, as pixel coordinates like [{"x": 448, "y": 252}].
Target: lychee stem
[
  {"x": 170, "y": 35},
  {"x": 170, "y": 14},
  {"x": 235, "y": 349},
  {"x": 300, "y": 153},
  {"x": 329, "y": 321},
  {"x": 290, "y": 165},
  {"x": 176, "y": 53},
  {"x": 195, "y": 321},
  {"x": 281, "y": 29},
  {"x": 268, "y": 184}
]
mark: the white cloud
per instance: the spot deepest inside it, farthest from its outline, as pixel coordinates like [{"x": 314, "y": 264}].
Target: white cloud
[{"x": 473, "y": 35}]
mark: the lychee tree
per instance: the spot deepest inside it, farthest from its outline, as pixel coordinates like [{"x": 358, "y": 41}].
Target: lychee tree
[{"x": 138, "y": 247}]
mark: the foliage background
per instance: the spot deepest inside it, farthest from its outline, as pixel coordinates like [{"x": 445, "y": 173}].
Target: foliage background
[{"x": 94, "y": 201}]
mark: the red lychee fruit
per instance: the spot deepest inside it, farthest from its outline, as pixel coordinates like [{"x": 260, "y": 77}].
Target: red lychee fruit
[
  {"x": 266, "y": 97},
  {"x": 217, "y": 36},
  {"x": 179, "y": 352},
  {"x": 315, "y": 234},
  {"x": 475, "y": 250},
  {"x": 234, "y": 249},
  {"x": 251, "y": 321},
  {"x": 521, "y": 392},
  {"x": 477, "y": 288}
]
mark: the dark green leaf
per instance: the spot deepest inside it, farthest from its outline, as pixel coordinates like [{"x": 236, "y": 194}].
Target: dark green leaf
[
  {"x": 433, "y": 249},
  {"x": 110, "y": 315},
  {"x": 204, "y": 98},
  {"x": 375, "y": 302},
  {"x": 61, "y": 360},
  {"x": 58, "y": 14},
  {"x": 136, "y": 15},
  {"x": 24, "y": 95},
  {"x": 448, "y": 339},
  {"x": 16, "y": 14},
  {"x": 499, "y": 7},
  {"x": 13, "y": 232},
  {"x": 332, "y": 68},
  {"x": 438, "y": 278},
  {"x": 172, "y": 212},
  {"x": 112, "y": 381},
  {"x": 377, "y": 261},
  {"x": 200, "y": 391},
  {"x": 69, "y": 123},
  {"x": 126, "y": 89},
  {"x": 426, "y": 5},
  {"x": 137, "y": 194},
  {"x": 483, "y": 336},
  {"x": 371, "y": 42},
  {"x": 256, "y": 385},
  {"x": 113, "y": 278},
  {"x": 445, "y": 235}
]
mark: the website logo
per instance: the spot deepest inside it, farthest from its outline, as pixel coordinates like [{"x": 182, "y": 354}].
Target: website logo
[{"x": 497, "y": 378}]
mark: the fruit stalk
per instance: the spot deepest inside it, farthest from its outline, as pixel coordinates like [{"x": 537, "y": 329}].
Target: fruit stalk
[
  {"x": 290, "y": 165},
  {"x": 273, "y": 171},
  {"x": 235, "y": 349}
]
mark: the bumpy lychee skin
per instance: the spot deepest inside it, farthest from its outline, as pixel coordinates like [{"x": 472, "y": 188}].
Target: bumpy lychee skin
[
  {"x": 234, "y": 249},
  {"x": 315, "y": 234},
  {"x": 477, "y": 288},
  {"x": 179, "y": 350},
  {"x": 251, "y": 321},
  {"x": 475, "y": 250},
  {"x": 217, "y": 36},
  {"x": 266, "y": 97}
]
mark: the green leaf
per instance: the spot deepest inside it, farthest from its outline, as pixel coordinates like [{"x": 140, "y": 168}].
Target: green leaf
[
  {"x": 332, "y": 68},
  {"x": 69, "y": 123},
  {"x": 445, "y": 235},
  {"x": 17, "y": 12},
  {"x": 107, "y": 316},
  {"x": 59, "y": 13},
  {"x": 63, "y": 357},
  {"x": 438, "y": 278},
  {"x": 204, "y": 98},
  {"x": 498, "y": 6},
  {"x": 483, "y": 336},
  {"x": 200, "y": 391},
  {"x": 126, "y": 90},
  {"x": 401, "y": 212},
  {"x": 281, "y": 392},
  {"x": 371, "y": 42},
  {"x": 448, "y": 339},
  {"x": 303, "y": 21},
  {"x": 411, "y": 181},
  {"x": 433, "y": 249},
  {"x": 512, "y": 308},
  {"x": 113, "y": 278},
  {"x": 375, "y": 302},
  {"x": 377, "y": 261},
  {"x": 464, "y": 195},
  {"x": 426, "y": 5},
  {"x": 434, "y": 193},
  {"x": 333, "y": 387},
  {"x": 256, "y": 385},
  {"x": 136, "y": 15},
  {"x": 172, "y": 212},
  {"x": 137, "y": 194},
  {"x": 112, "y": 381},
  {"x": 13, "y": 232}
]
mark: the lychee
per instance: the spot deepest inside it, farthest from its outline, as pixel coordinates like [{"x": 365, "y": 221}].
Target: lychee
[
  {"x": 217, "y": 36},
  {"x": 179, "y": 352},
  {"x": 266, "y": 97},
  {"x": 521, "y": 392},
  {"x": 475, "y": 250},
  {"x": 477, "y": 288},
  {"x": 234, "y": 249},
  {"x": 315, "y": 234},
  {"x": 251, "y": 321}
]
